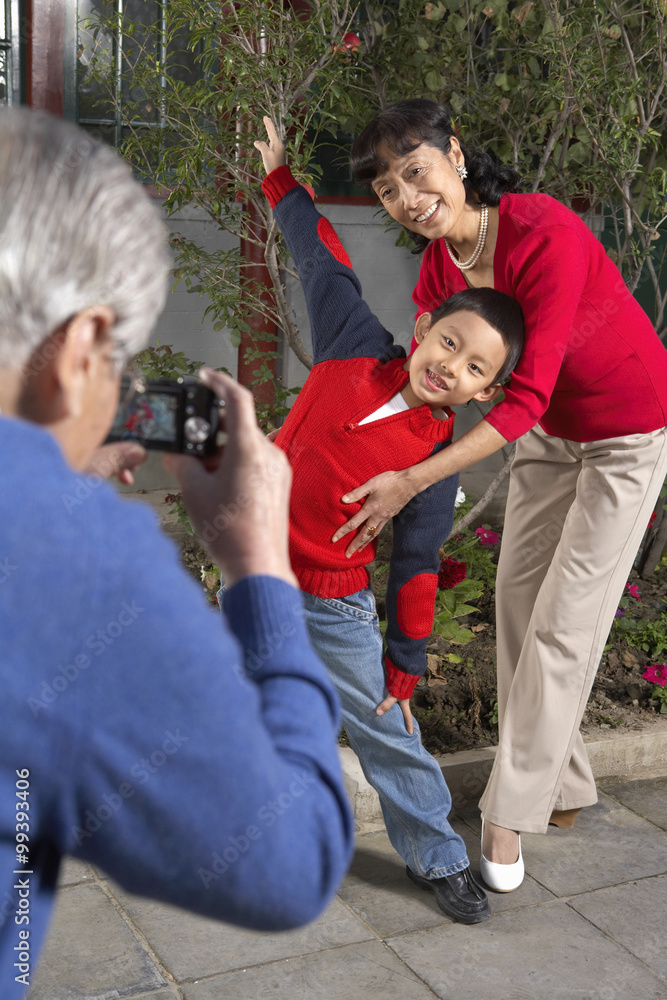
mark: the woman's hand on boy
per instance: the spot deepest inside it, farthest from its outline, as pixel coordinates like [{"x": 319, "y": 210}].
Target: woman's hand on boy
[
  {"x": 404, "y": 704},
  {"x": 273, "y": 151}
]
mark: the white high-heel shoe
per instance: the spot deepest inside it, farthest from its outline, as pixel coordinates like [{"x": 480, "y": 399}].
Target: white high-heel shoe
[{"x": 501, "y": 878}]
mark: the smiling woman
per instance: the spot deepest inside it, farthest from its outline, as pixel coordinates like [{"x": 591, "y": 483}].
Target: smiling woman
[{"x": 588, "y": 405}]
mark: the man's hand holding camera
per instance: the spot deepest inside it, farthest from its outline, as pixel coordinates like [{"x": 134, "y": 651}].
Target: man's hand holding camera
[{"x": 239, "y": 499}]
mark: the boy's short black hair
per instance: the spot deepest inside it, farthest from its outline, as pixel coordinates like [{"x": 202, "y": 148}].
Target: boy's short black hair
[{"x": 500, "y": 311}]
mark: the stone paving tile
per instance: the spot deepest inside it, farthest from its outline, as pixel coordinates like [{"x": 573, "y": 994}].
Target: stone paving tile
[
  {"x": 169, "y": 993},
  {"x": 648, "y": 798},
  {"x": 191, "y": 947},
  {"x": 528, "y": 893},
  {"x": 608, "y": 845},
  {"x": 633, "y": 915},
  {"x": 545, "y": 952},
  {"x": 366, "y": 971},
  {"x": 377, "y": 887},
  {"x": 73, "y": 871},
  {"x": 91, "y": 953}
]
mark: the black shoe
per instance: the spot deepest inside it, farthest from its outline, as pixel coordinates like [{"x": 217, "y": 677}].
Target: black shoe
[{"x": 457, "y": 895}]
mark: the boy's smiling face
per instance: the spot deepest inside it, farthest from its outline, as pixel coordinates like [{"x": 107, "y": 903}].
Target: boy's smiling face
[{"x": 457, "y": 360}]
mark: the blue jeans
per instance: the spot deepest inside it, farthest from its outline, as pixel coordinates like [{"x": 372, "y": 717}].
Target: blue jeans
[{"x": 413, "y": 794}]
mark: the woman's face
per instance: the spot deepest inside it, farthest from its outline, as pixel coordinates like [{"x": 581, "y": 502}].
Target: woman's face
[{"x": 423, "y": 191}]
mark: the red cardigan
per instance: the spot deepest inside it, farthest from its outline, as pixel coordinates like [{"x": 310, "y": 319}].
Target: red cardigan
[{"x": 592, "y": 367}]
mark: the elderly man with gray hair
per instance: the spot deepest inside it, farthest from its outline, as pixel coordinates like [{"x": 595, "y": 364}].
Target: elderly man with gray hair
[{"x": 192, "y": 758}]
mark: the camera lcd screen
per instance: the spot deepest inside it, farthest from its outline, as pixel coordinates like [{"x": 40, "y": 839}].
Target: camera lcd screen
[{"x": 149, "y": 416}]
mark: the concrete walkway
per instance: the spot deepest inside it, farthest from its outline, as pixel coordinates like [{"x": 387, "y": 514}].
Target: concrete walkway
[{"x": 587, "y": 924}]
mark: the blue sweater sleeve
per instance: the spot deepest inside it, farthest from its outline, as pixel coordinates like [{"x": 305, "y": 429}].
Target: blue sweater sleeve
[
  {"x": 226, "y": 736},
  {"x": 419, "y": 530},
  {"x": 342, "y": 325},
  {"x": 192, "y": 757}
]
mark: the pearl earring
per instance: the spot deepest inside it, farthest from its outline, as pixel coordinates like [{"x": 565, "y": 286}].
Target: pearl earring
[{"x": 462, "y": 171}]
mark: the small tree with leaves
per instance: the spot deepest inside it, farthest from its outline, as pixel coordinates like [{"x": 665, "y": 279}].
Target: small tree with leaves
[
  {"x": 193, "y": 91},
  {"x": 573, "y": 94}
]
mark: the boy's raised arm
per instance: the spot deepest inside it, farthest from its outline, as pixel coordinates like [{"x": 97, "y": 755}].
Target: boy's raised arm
[{"x": 342, "y": 325}]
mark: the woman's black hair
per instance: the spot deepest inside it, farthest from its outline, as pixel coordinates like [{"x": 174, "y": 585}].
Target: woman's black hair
[
  {"x": 405, "y": 126},
  {"x": 499, "y": 310}
]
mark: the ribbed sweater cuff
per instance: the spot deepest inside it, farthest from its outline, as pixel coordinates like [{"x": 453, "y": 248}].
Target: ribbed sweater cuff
[
  {"x": 265, "y": 614},
  {"x": 399, "y": 684},
  {"x": 276, "y": 184}
]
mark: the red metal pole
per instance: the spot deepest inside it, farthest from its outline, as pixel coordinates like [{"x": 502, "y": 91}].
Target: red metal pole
[
  {"x": 45, "y": 21},
  {"x": 255, "y": 273}
]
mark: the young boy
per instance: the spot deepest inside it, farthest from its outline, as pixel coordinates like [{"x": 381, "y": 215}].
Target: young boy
[{"x": 365, "y": 409}]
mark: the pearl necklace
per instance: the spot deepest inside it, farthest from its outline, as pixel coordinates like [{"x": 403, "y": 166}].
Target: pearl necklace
[{"x": 466, "y": 265}]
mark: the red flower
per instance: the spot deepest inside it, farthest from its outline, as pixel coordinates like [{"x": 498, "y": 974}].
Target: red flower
[
  {"x": 487, "y": 536},
  {"x": 451, "y": 573},
  {"x": 351, "y": 43},
  {"x": 656, "y": 674}
]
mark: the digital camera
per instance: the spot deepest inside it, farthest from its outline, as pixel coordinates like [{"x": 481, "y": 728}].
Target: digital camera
[{"x": 168, "y": 414}]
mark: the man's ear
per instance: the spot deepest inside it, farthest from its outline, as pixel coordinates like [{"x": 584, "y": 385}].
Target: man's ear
[
  {"x": 491, "y": 392},
  {"x": 422, "y": 326},
  {"x": 82, "y": 349}
]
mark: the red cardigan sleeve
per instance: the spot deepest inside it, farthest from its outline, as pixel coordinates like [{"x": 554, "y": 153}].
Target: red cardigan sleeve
[{"x": 546, "y": 272}]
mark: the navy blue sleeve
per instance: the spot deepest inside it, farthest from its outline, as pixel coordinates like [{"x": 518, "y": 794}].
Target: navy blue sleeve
[
  {"x": 342, "y": 324},
  {"x": 419, "y": 531}
]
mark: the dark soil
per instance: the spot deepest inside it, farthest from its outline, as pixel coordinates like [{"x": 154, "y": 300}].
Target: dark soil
[{"x": 455, "y": 702}]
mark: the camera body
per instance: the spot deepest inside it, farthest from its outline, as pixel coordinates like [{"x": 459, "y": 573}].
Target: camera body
[{"x": 168, "y": 414}]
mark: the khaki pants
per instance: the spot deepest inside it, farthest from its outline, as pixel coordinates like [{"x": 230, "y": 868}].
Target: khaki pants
[{"x": 576, "y": 514}]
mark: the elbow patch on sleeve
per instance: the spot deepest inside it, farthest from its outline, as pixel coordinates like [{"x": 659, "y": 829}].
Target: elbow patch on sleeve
[
  {"x": 414, "y": 605},
  {"x": 327, "y": 234}
]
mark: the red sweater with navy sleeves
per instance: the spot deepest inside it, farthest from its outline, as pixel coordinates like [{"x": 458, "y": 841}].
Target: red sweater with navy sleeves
[
  {"x": 357, "y": 368},
  {"x": 592, "y": 366}
]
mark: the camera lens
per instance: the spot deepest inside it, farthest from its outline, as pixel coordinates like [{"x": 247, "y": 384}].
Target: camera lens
[{"x": 196, "y": 429}]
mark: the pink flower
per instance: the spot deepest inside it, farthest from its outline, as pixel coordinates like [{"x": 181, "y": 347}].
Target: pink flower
[
  {"x": 656, "y": 674},
  {"x": 486, "y": 536},
  {"x": 634, "y": 590},
  {"x": 451, "y": 573}
]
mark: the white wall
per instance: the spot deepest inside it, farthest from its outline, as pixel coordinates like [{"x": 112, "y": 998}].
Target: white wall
[
  {"x": 182, "y": 324},
  {"x": 387, "y": 273}
]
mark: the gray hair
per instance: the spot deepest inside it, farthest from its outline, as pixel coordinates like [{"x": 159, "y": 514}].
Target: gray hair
[{"x": 76, "y": 230}]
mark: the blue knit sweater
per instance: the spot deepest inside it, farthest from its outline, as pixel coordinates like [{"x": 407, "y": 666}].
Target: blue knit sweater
[{"x": 132, "y": 733}]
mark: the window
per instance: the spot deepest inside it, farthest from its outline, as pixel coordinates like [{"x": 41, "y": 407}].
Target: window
[
  {"x": 105, "y": 110},
  {"x": 116, "y": 53},
  {"x": 10, "y": 85}
]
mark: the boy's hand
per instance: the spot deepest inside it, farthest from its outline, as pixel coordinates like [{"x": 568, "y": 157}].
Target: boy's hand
[
  {"x": 404, "y": 704},
  {"x": 273, "y": 151}
]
